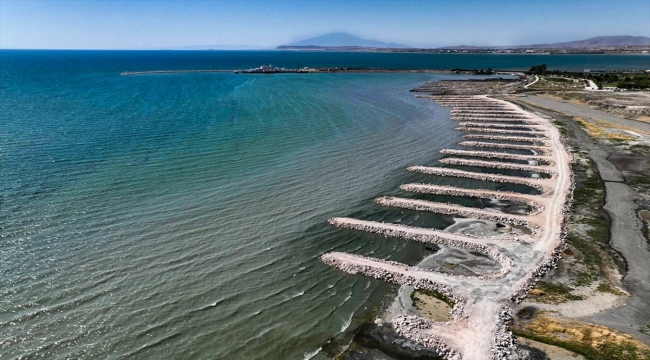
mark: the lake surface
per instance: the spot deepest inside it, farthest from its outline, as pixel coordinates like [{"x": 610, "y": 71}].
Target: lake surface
[{"x": 182, "y": 216}]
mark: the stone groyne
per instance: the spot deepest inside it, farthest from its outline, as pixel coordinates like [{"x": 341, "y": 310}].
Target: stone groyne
[
  {"x": 440, "y": 171},
  {"x": 498, "y": 165},
  {"x": 483, "y": 304},
  {"x": 454, "y": 209},
  {"x": 504, "y": 138},
  {"x": 465, "y": 87},
  {"x": 475, "y": 193},
  {"x": 495, "y": 120},
  {"x": 495, "y": 155},
  {"x": 537, "y": 149},
  {"x": 499, "y": 131},
  {"x": 497, "y": 126}
]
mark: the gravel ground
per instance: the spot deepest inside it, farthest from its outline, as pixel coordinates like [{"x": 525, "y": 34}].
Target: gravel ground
[
  {"x": 626, "y": 232},
  {"x": 584, "y": 111}
]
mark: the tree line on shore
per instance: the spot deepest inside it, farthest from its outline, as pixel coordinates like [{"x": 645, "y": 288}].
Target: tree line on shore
[{"x": 622, "y": 80}]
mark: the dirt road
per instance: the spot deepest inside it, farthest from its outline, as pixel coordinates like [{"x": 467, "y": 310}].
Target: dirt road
[{"x": 583, "y": 111}]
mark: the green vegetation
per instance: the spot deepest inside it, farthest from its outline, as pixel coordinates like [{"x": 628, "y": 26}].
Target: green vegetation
[
  {"x": 484, "y": 72},
  {"x": 435, "y": 294},
  {"x": 558, "y": 292},
  {"x": 606, "y": 287},
  {"x": 588, "y": 199},
  {"x": 600, "y": 225},
  {"x": 584, "y": 193},
  {"x": 590, "y": 253},
  {"x": 620, "y": 79},
  {"x": 645, "y": 329},
  {"x": 487, "y": 71},
  {"x": 584, "y": 278},
  {"x": 605, "y": 351},
  {"x": 640, "y": 182},
  {"x": 537, "y": 70},
  {"x": 560, "y": 126},
  {"x": 635, "y": 82}
]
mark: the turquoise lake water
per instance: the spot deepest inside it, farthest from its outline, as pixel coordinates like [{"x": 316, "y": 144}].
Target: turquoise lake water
[{"x": 182, "y": 216}]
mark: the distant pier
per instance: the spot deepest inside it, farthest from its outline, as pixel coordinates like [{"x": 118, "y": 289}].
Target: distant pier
[
  {"x": 129, "y": 73},
  {"x": 308, "y": 71}
]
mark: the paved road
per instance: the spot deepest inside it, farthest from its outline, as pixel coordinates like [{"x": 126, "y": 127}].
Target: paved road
[
  {"x": 583, "y": 111},
  {"x": 592, "y": 85},
  {"x": 627, "y": 238},
  {"x": 536, "y": 80}
]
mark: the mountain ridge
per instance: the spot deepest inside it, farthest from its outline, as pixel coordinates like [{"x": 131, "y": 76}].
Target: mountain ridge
[
  {"x": 593, "y": 42},
  {"x": 342, "y": 39}
]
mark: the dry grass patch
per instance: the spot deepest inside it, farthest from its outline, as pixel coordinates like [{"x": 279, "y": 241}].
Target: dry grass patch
[
  {"x": 592, "y": 341},
  {"x": 432, "y": 305},
  {"x": 598, "y": 131},
  {"x": 550, "y": 293}
]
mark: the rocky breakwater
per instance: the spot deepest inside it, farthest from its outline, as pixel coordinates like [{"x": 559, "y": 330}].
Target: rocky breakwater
[
  {"x": 466, "y": 87},
  {"x": 536, "y": 149},
  {"x": 497, "y": 125},
  {"x": 535, "y": 140},
  {"x": 496, "y": 155},
  {"x": 499, "y": 131},
  {"x": 498, "y": 165},
  {"x": 454, "y": 209},
  {"x": 478, "y": 329},
  {"x": 475, "y": 193}
]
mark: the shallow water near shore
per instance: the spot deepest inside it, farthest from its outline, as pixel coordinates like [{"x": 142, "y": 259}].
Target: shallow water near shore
[{"x": 182, "y": 216}]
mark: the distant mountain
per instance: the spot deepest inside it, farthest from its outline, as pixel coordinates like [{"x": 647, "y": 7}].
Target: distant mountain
[
  {"x": 599, "y": 42},
  {"x": 594, "y": 42},
  {"x": 342, "y": 39}
]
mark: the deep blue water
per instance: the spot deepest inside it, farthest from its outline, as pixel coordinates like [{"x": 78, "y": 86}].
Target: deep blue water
[
  {"x": 182, "y": 216},
  {"x": 90, "y": 62}
]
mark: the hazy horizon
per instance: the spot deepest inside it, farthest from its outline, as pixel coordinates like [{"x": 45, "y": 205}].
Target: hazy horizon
[{"x": 146, "y": 25}]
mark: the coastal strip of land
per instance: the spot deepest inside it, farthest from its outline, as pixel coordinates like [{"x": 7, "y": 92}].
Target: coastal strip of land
[
  {"x": 348, "y": 70},
  {"x": 483, "y": 304},
  {"x": 591, "y": 301},
  {"x": 622, "y": 200}
]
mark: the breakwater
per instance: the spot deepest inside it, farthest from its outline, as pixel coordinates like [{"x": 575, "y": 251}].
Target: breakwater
[
  {"x": 495, "y": 155},
  {"x": 537, "y": 149},
  {"x": 498, "y": 131},
  {"x": 298, "y": 71},
  {"x": 505, "y": 138},
  {"x": 498, "y": 165},
  {"x": 441, "y": 171},
  {"x": 478, "y": 329},
  {"x": 153, "y": 72},
  {"x": 471, "y": 87},
  {"x": 473, "y": 193},
  {"x": 454, "y": 209},
  {"x": 497, "y": 125}
]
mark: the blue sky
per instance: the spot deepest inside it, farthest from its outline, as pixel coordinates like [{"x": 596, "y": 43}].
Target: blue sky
[{"x": 93, "y": 24}]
